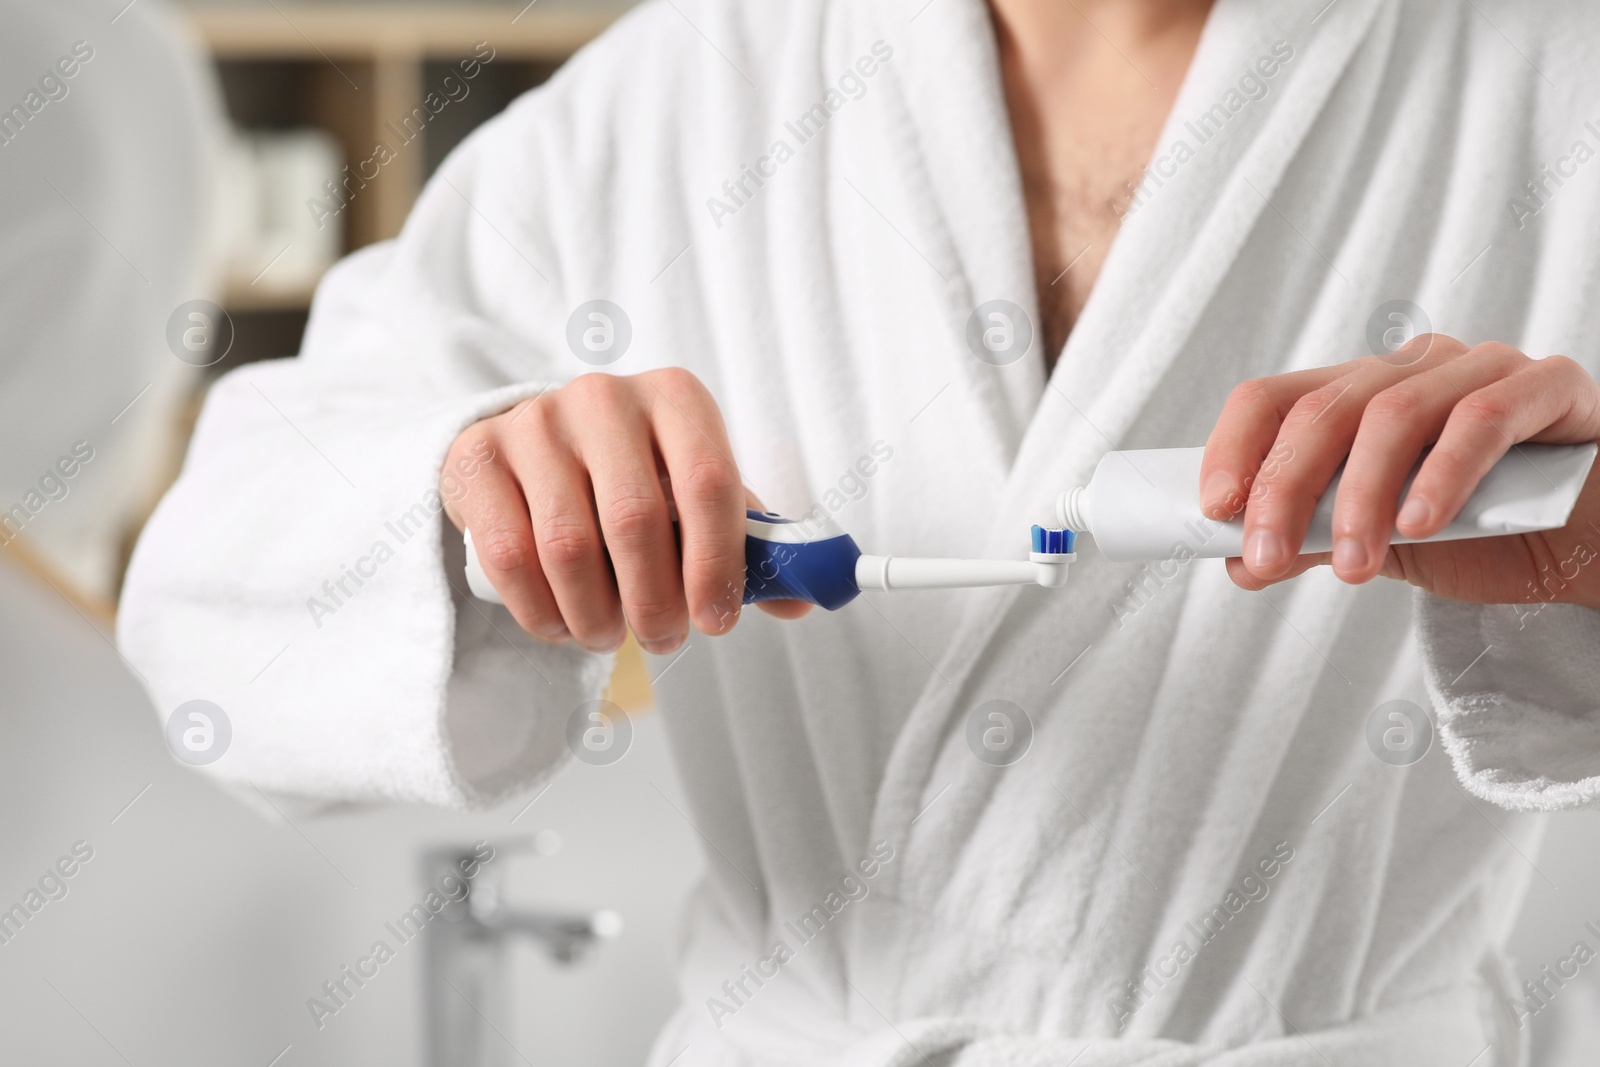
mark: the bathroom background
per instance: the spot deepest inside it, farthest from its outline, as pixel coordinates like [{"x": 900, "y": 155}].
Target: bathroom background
[{"x": 184, "y": 170}]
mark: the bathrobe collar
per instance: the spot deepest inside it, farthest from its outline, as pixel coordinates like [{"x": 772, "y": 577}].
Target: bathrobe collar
[{"x": 949, "y": 120}]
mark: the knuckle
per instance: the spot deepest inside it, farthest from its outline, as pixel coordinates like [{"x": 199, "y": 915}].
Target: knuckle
[
  {"x": 709, "y": 478},
  {"x": 632, "y": 516},
  {"x": 476, "y": 446},
  {"x": 1273, "y": 492},
  {"x": 1277, "y": 460},
  {"x": 712, "y": 576},
  {"x": 675, "y": 381},
  {"x": 1265, "y": 499},
  {"x": 1253, "y": 392},
  {"x": 592, "y": 389},
  {"x": 1266, "y": 483},
  {"x": 1312, "y": 406},
  {"x": 1499, "y": 354},
  {"x": 564, "y": 544},
  {"x": 1234, "y": 504},
  {"x": 1485, "y": 406},
  {"x": 1355, "y": 508},
  {"x": 655, "y": 615},
  {"x": 1448, "y": 466},
  {"x": 1560, "y": 367},
  {"x": 1347, "y": 526},
  {"x": 536, "y": 418},
  {"x": 504, "y": 549},
  {"x": 532, "y": 420},
  {"x": 1397, "y": 404},
  {"x": 1440, "y": 344}
]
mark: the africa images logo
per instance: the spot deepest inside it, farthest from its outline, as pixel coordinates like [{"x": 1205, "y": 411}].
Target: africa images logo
[{"x": 198, "y": 732}]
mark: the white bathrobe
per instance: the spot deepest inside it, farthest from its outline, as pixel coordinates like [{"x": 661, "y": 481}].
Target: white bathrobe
[{"x": 1186, "y": 742}]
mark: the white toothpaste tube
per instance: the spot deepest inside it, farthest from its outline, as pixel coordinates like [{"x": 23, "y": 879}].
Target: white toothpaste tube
[{"x": 1144, "y": 505}]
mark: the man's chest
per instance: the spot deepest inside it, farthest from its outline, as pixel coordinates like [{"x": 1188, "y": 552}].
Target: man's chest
[
  {"x": 1084, "y": 121},
  {"x": 1075, "y": 205}
]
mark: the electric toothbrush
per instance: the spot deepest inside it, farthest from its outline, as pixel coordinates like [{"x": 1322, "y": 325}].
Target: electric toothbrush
[{"x": 817, "y": 562}]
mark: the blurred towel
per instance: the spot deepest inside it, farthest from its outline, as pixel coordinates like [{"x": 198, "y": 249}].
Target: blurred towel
[{"x": 107, "y": 131}]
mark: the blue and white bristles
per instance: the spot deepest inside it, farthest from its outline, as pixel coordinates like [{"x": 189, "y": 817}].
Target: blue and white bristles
[{"x": 1053, "y": 545}]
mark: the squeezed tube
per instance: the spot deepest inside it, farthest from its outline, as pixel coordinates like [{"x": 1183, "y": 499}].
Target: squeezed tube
[{"x": 1144, "y": 505}]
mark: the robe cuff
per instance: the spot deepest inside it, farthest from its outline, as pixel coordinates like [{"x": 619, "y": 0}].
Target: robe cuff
[
  {"x": 1516, "y": 691},
  {"x": 321, "y": 604},
  {"x": 511, "y": 697}
]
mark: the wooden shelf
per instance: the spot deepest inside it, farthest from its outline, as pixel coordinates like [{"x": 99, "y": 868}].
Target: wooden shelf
[
  {"x": 242, "y": 296},
  {"x": 301, "y": 31},
  {"x": 362, "y": 71}
]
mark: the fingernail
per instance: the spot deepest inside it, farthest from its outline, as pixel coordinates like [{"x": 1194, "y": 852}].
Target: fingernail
[
  {"x": 1349, "y": 555},
  {"x": 1214, "y": 495},
  {"x": 1264, "y": 550},
  {"x": 556, "y": 634},
  {"x": 709, "y": 620},
  {"x": 662, "y": 645},
  {"x": 604, "y": 644},
  {"x": 1416, "y": 513}
]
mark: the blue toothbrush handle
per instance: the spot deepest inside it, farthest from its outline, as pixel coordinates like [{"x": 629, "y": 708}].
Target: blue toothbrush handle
[
  {"x": 788, "y": 560},
  {"x": 813, "y": 561}
]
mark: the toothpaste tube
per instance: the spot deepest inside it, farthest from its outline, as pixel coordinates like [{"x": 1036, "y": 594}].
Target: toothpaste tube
[{"x": 1144, "y": 505}]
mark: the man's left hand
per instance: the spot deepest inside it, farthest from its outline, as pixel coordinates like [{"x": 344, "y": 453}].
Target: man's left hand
[{"x": 1280, "y": 440}]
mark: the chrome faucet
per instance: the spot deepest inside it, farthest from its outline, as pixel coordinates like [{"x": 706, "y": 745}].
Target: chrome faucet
[{"x": 466, "y": 985}]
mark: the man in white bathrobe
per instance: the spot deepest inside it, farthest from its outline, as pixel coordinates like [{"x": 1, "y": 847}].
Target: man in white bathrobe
[{"x": 788, "y": 219}]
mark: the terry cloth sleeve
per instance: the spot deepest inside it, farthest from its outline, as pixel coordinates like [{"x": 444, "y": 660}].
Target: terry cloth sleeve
[
  {"x": 1516, "y": 691},
  {"x": 300, "y": 575}
]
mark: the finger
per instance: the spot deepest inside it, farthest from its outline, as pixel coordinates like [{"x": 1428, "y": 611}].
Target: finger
[
  {"x": 1312, "y": 443},
  {"x": 710, "y": 497},
  {"x": 566, "y": 531},
  {"x": 1243, "y": 435},
  {"x": 785, "y": 609},
  {"x": 494, "y": 510},
  {"x": 1551, "y": 399},
  {"x": 615, "y": 444},
  {"x": 1396, "y": 425},
  {"x": 1245, "y": 579}
]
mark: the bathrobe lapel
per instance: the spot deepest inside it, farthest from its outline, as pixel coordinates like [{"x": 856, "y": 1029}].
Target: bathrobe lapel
[
  {"x": 1171, "y": 255},
  {"x": 953, "y": 138}
]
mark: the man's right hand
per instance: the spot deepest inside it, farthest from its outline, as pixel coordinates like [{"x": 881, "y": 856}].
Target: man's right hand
[{"x": 568, "y": 477}]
